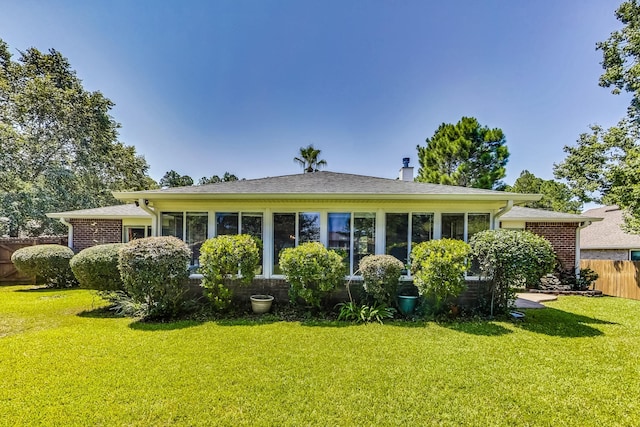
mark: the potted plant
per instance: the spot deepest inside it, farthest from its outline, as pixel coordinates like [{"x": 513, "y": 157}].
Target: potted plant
[{"x": 261, "y": 303}]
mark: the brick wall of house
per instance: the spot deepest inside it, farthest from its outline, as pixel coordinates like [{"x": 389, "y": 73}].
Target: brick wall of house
[
  {"x": 562, "y": 237},
  {"x": 91, "y": 232}
]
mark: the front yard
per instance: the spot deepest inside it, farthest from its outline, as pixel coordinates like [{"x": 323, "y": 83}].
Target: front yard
[{"x": 63, "y": 363}]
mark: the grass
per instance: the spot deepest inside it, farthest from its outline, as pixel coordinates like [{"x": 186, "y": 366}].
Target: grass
[{"x": 63, "y": 362}]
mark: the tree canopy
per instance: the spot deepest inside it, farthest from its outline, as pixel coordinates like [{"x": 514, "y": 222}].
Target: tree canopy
[
  {"x": 556, "y": 196},
  {"x": 308, "y": 159},
  {"x": 215, "y": 178},
  {"x": 174, "y": 179},
  {"x": 603, "y": 166},
  {"x": 465, "y": 154},
  {"x": 59, "y": 144}
]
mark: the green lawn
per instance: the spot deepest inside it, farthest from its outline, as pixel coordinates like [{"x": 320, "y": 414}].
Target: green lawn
[{"x": 61, "y": 363}]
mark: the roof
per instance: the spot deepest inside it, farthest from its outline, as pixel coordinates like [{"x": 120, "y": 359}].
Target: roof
[
  {"x": 118, "y": 211},
  {"x": 325, "y": 185},
  {"x": 519, "y": 213},
  {"x": 608, "y": 234}
]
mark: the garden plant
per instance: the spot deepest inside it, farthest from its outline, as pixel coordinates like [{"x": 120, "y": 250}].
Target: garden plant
[
  {"x": 48, "y": 263},
  {"x": 233, "y": 258},
  {"x": 97, "y": 267}
]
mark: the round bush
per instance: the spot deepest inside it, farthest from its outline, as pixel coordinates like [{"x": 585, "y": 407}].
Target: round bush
[
  {"x": 381, "y": 274},
  {"x": 312, "y": 271},
  {"x": 49, "y": 263},
  {"x": 438, "y": 268},
  {"x": 234, "y": 257},
  {"x": 97, "y": 268},
  {"x": 511, "y": 258},
  {"x": 154, "y": 272}
]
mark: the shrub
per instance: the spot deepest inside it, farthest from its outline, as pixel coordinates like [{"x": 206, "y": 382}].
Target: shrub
[
  {"x": 352, "y": 312},
  {"x": 154, "y": 272},
  {"x": 97, "y": 267},
  {"x": 381, "y": 274},
  {"x": 49, "y": 263},
  {"x": 511, "y": 258},
  {"x": 227, "y": 257},
  {"x": 438, "y": 268},
  {"x": 581, "y": 282},
  {"x": 312, "y": 271}
]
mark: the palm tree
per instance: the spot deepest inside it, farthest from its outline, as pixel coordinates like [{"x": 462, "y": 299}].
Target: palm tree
[{"x": 309, "y": 159}]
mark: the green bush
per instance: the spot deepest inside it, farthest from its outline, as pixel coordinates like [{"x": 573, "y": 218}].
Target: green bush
[
  {"x": 312, "y": 271},
  {"x": 438, "y": 268},
  {"x": 49, "y": 263},
  {"x": 97, "y": 267},
  {"x": 155, "y": 272},
  {"x": 233, "y": 257},
  {"x": 511, "y": 258},
  {"x": 381, "y": 274}
]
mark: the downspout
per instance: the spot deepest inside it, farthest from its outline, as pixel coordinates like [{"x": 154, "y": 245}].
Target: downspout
[
  {"x": 70, "y": 233},
  {"x": 142, "y": 204},
  {"x": 496, "y": 217},
  {"x": 577, "y": 262}
]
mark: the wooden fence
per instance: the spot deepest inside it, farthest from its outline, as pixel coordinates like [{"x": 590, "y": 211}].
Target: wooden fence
[
  {"x": 8, "y": 273},
  {"x": 616, "y": 278}
]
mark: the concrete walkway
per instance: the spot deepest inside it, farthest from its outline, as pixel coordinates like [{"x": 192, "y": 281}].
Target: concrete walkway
[{"x": 531, "y": 300}]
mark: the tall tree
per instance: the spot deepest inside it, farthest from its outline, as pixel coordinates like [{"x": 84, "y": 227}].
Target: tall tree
[
  {"x": 556, "y": 196},
  {"x": 174, "y": 179},
  {"x": 59, "y": 145},
  {"x": 308, "y": 159},
  {"x": 215, "y": 178},
  {"x": 603, "y": 166},
  {"x": 465, "y": 154}
]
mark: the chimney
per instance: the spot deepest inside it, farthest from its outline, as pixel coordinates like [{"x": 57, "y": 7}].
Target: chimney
[{"x": 406, "y": 173}]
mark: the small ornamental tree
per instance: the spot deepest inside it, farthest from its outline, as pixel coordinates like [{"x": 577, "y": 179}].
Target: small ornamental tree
[
  {"x": 49, "y": 263},
  {"x": 97, "y": 267},
  {"x": 381, "y": 274},
  {"x": 154, "y": 272},
  {"x": 312, "y": 271},
  {"x": 227, "y": 257},
  {"x": 511, "y": 258},
  {"x": 438, "y": 268}
]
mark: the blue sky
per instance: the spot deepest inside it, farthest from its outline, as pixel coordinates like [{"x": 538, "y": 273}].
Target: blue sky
[{"x": 204, "y": 87}]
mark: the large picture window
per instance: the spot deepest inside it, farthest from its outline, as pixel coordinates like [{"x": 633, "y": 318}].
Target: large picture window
[
  {"x": 403, "y": 230},
  {"x": 190, "y": 227}
]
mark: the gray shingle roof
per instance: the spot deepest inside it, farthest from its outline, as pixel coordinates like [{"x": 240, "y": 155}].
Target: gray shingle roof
[
  {"x": 328, "y": 184},
  {"x": 519, "y": 213},
  {"x": 608, "y": 233},
  {"x": 118, "y": 211}
]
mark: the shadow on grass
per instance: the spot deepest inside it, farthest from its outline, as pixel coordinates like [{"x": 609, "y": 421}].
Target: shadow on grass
[
  {"x": 483, "y": 328},
  {"x": 163, "y": 326},
  {"x": 100, "y": 313},
  {"x": 44, "y": 289},
  {"x": 558, "y": 323}
]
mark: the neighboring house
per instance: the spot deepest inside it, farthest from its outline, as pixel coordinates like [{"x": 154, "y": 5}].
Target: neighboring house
[
  {"x": 360, "y": 215},
  {"x": 607, "y": 239}
]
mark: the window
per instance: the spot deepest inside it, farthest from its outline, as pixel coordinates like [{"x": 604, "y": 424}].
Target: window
[
  {"x": 403, "y": 230},
  {"x": 634, "y": 255},
  {"x": 136, "y": 232},
  {"x": 339, "y": 229},
  {"x": 193, "y": 225},
  {"x": 227, "y": 223},
  {"x": 231, "y": 223},
  {"x": 364, "y": 237},
  {"x": 475, "y": 224},
  {"x": 309, "y": 227},
  {"x": 453, "y": 226},
  {"x": 284, "y": 236}
]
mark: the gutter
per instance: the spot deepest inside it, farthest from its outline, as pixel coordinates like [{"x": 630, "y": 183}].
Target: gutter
[
  {"x": 70, "y": 233},
  {"x": 496, "y": 217},
  {"x": 577, "y": 262},
  {"x": 143, "y": 204}
]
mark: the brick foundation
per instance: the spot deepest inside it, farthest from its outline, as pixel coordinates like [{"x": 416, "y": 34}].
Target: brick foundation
[
  {"x": 91, "y": 232},
  {"x": 562, "y": 237}
]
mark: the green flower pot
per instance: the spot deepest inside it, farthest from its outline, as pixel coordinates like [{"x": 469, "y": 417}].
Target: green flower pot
[{"x": 407, "y": 303}]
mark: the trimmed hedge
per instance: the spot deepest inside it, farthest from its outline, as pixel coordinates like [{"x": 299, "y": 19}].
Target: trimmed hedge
[
  {"x": 49, "y": 263},
  {"x": 97, "y": 268},
  {"x": 154, "y": 272},
  {"x": 381, "y": 274},
  {"x": 312, "y": 271}
]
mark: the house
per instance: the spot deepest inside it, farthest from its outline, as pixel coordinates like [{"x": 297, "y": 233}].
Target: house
[
  {"x": 357, "y": 214},
  {"x": 607, "y": 239}
]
